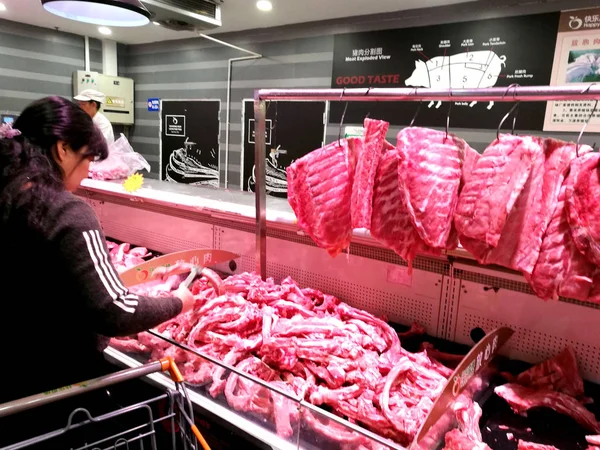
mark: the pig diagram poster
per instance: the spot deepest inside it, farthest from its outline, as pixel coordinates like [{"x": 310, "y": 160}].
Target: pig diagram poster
[
  {"x": 576, "y": 61},
  {"x": 486, "y": 53}
]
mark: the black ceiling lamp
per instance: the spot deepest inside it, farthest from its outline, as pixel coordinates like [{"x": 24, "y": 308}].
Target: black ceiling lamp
[{"x": 115, "y": 13}]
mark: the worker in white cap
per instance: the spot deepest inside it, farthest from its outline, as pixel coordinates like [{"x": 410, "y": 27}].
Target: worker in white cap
[{"x": 91, "y": 101}]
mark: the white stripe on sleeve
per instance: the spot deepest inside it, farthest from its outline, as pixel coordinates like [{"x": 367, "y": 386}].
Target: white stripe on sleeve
[
  {"x": 111, "y": 282},
  {"x": 123, "y": 307},
  {"x": 115, "y": 281},
  {"x": 92, "y": 253}
]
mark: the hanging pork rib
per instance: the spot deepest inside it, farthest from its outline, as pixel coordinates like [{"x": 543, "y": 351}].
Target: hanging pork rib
[
  {"x": 582, "y": 207},
  {"x": 320, "y": 191},
  {"x": 366, "y": 167},
  {"x": 521, "y": 237},
  {"x": 390, "y": 223},
  {"x": 430, "y": 178},
  {"x": 494, "y": 187},
  {"x": 561, "y": 270}
]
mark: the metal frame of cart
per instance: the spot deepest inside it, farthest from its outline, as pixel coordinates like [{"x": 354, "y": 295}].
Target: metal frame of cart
[
  {"x": 143, "y": 432},
  {"x": 513, "y": 93}
]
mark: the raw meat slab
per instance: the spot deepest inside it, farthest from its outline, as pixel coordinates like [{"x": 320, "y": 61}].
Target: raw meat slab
[
  {"x": 455, "y": 440},
  {"x": 561, "y": 270},
  {"x": 524, "y": 445},
  {"x": 471, "y": 158},
  {"x": 583, "y": 207},
  {"x": 390, "y": 223},
  {"x": 320, "y": 190},
  {"x": 521, "y": 237},
  {"x": 521, "y": 399},
  {"x": 366, "y": 167},
  {"x": 430, "y": 177},
  {"x": 493, "y": 188},
  {"x": 560, "y": 374}
]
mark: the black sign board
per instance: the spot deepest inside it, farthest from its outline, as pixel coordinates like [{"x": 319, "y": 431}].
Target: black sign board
[
  {"x": 294, "y": 129},
  {"x": 485, "y": 53},
  {"x": 189, "y": 138}
]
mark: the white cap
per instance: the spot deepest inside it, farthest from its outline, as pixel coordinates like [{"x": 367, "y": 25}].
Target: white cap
[{"x": 91, "y": 95}]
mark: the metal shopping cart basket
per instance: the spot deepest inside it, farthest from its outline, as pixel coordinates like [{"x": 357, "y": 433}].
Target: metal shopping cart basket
[{"x": 140, "y": 418}]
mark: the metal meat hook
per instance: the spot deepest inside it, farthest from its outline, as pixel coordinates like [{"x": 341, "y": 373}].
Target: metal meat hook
[
  {"x": 416, "y": 114},
  {"x": 514, "y": 109},
  {"x": 515, "y": 86},
  {"x": 587, "y": 121},
  {"x": 417, "y": 111},
  {"x": 366, "y": 94},
  {"x": 448, "y": 117},
  {"x": 343, "y": 115}
]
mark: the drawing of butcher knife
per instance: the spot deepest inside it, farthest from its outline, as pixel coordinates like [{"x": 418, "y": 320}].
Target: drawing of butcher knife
[{"x": 142, "y": 273}]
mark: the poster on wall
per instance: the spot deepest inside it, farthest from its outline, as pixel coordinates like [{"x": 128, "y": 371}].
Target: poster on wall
[
  {"x": 189, "y": 141},
  {"x": 480, "y": 54},
  {"x": 293, "y": 129},
  {"x": 576, "y": 61}
]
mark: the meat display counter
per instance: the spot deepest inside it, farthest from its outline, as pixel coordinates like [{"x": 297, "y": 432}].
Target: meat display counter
[
  {"x": 233, "y": 206},
  {"x": 451, "y": 296}
]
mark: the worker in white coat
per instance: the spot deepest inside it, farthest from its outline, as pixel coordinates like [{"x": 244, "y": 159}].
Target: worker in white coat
[{"x": 91, "y": 101}]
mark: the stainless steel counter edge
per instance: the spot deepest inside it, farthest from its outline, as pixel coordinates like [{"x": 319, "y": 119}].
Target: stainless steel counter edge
[
  {"x": 159, "y": 380},
  {"x": 236, "y": 206}
]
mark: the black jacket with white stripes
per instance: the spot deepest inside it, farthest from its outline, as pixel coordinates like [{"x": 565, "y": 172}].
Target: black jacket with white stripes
[{"x": 61, "y": 294}]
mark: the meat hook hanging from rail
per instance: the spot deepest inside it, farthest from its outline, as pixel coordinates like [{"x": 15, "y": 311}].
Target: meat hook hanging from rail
[
  {"x": 416, "y": 114},
  {"x": 417, "y": 111},
  {"x": 367, "y": 93},
  {"x": 587, "y": 121},
  {"x": 449, "y": 95},
  {"x": 448, "y": 120},
  {"x": 343, "y": 115},
  {"x": 514, "y": 109}
]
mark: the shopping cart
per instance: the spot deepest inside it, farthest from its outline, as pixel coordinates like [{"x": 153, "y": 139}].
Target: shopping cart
[{"x": 131, "y": 427}]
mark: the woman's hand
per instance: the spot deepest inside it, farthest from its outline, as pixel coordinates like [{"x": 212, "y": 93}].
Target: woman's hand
[
  {"x": 186, "y": 297},
  {"x": 162, "y": 272}
]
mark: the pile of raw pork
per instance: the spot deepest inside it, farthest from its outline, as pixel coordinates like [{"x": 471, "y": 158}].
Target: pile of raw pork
[
  {"x": 124, "y": 257},
  {"x": 306, "y": 343},
  {"x": 526, "y": 203},
  {"x": 314, "y": 347}
]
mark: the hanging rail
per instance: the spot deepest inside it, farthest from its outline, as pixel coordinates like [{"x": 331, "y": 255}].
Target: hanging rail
[{"x": 497, "y": 94}]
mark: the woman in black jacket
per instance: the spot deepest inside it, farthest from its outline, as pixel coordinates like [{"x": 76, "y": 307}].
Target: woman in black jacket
[{"x": 62, "y": 297}]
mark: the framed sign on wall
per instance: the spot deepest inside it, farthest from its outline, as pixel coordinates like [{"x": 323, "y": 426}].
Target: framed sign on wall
[
  {"x": 576, "y": 61},
  {"x": 293, "y": 129},
  {"x": 189, "y": 141}
]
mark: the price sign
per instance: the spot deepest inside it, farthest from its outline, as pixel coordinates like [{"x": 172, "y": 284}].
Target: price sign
[{"x": 475, "y": 361}]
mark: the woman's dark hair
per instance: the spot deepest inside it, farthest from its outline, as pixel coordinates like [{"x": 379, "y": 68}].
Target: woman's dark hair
[{"x": 30, "y": 177}]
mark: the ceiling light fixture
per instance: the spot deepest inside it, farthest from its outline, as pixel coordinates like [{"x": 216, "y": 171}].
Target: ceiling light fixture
[
  {"x": 105, "y": 31},
  {"x": 2, "y": 7},
  {"x": 115, "y": 13},
  {"x": 156, "y": 23},
  {"x": 264, "y": 5}
]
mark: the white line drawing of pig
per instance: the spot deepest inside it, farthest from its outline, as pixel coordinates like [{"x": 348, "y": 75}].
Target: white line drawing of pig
[{"x": 477, "y": 69}]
